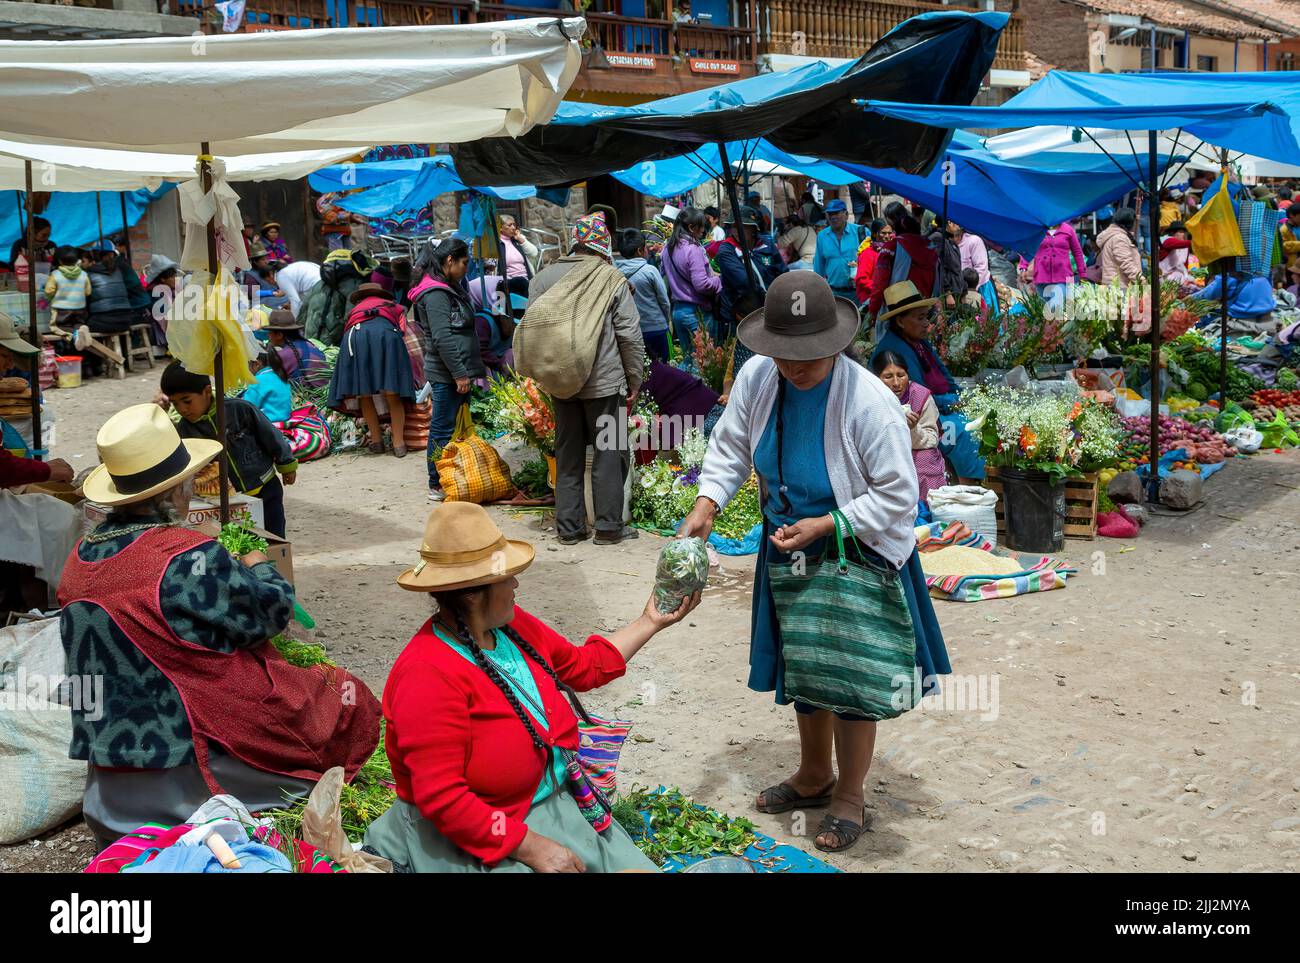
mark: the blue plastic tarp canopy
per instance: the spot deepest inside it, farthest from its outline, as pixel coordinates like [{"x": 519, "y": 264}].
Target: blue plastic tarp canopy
[
  {"x": 1255, "y": 113},
  {"x": 677, "y": 175},
  {"x": 73, "y": 218},
  {"x": 1013, "y": 202},
  {"x": 934, "y": 58},
  {"x": 407, "y": 184}
]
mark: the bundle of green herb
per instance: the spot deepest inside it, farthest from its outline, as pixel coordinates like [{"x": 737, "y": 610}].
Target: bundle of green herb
[
  {"x": 238, "y": 537},
  {"x": 301, "y": 654},
  {"x": 683, "y": 570},
  {"x": 678, "y": 827}
]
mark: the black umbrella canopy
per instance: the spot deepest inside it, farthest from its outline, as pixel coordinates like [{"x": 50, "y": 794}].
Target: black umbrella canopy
[{"x": 935, "y": 58}]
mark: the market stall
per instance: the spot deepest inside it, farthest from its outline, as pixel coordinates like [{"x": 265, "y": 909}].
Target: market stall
[
  {"x": 1254, "y": 112},
  {"x": 384, "y": 85}
]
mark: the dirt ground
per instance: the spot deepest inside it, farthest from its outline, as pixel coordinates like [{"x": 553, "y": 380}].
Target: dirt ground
[{"x": 1146, "y": 717}]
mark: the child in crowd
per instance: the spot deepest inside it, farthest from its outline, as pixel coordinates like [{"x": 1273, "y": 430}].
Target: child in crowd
[
  {"x": 270, "y": 388},
  {"x": 972, "y": 295},
  {"x": 922, "y": 418},
  {"x": 67, "y": 289},
  {"x": 255, "y": 449},
  {"x": 648, "y": 290}
]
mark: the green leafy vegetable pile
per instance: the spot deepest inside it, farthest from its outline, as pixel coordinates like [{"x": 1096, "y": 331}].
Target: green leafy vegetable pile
[
  {"x": 678, "y": 827},
  {"x": 742, "y": 512},
  {"x": 531, "y": 479},
  {"x": 301, "y": 654},
  {"x": 238, "y": 538},
  {"x": 362, "y": 801}
]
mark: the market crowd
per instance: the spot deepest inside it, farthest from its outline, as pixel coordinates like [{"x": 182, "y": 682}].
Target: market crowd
[{"x": 483, "y": 718}]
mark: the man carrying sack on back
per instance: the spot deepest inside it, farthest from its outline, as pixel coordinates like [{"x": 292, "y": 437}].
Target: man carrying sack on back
[{"x": 580, "y": 339}]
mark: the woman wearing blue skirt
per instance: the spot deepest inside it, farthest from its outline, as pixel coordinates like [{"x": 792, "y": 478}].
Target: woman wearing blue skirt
[{"x": 823, "y": 434}]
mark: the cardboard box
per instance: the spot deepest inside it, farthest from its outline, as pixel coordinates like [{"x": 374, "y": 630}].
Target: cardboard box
[
  {"x": 278, "y": 550},
  {"x": 201, "y": 510}
]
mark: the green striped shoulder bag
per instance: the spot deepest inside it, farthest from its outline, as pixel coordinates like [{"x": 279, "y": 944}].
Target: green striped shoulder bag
[{"x": 846, "y": 633}]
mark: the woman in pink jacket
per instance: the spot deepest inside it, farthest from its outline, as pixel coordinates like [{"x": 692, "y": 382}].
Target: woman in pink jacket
[{"x": 1054, "y": 272}]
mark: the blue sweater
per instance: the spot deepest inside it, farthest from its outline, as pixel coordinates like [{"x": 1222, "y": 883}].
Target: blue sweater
[{"x": 270, "y": 394}]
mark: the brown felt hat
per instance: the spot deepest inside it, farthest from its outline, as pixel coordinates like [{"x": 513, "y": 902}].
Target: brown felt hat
[
  {"x": 800, "y": 320},
  {"x": 282, "y": 320},
  {"x": 463, "y": 548},
  {"x": 370, "y": 290}
]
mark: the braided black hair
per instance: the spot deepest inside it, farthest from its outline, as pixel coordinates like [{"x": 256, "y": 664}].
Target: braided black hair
[
  {"x": 785, "y": 508},
  {"x": 464, "y": 635},
  {"x": 564, "y": 687}
]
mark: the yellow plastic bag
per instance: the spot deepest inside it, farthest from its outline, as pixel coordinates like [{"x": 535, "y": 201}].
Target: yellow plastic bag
[
  {"x": 469, "y": 469},
  {"x": 1214, "y": 227},
  {"x": 204, "y": 317}
]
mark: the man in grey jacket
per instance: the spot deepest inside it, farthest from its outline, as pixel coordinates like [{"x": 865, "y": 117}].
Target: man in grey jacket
[{"x": 592, "y": 416}]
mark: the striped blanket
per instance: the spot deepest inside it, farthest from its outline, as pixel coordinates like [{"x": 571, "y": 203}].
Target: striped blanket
[
  {"x": 308, "y": 434},
  {"x": 1039, "y": 573}
]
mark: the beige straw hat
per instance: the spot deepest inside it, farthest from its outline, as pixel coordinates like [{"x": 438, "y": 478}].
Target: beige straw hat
[
  {"x": 901, "y": 297},
  {"x": 463, "y": 548},
  {"x": 143, "y": 455}
]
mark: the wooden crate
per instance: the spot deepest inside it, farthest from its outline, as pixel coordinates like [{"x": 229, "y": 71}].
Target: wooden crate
[{"x": 1080, "y": 504}]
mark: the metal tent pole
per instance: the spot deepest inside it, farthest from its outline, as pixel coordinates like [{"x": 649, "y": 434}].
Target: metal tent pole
[
  {"x": 34, "y": 335},
  {"x": 1223, "y": 303},
  {"x": 1153, "y": 224},
  {"x": 943, "y": 235},
  {"x": 218, "y": 367},
  {"x": 126, "y": 230},
  {"x": 729, "y": 178}
]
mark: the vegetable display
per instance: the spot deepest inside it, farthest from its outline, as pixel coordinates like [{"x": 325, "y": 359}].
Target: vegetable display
[
  {"x": 678, "y": 827},
  {"x": 363, "y": 800},
  {"x": 531, "y": 479},
  {"x": 238, "y": 538},
  {"x": 1267, "y": 403},
  {"x": 1201, "y": 442},
  {"x": 683, "y": 570}
]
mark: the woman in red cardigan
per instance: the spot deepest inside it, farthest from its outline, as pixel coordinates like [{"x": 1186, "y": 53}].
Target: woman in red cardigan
[{"x": 481, "y": 734}]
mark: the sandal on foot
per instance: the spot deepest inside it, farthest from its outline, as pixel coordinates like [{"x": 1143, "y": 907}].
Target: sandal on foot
[
  {"x": 783, "y": 797},
  {"x": 376, "y": 447},
  {"x": 845, "y": 829}
]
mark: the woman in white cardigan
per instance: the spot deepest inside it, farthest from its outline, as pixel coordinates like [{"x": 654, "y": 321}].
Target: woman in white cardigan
[{"x": 822, "y": 433}]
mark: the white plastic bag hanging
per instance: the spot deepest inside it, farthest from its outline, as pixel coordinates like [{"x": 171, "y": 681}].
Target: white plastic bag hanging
[{"x": 220, "y": 206}]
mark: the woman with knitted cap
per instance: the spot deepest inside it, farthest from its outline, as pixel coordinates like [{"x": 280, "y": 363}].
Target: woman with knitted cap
[
  {"x": 482, "y": 718},
  {"x": 582, "y": 299}
]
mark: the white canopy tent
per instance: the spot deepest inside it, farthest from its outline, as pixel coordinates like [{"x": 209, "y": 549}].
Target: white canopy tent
[
  {"x": 332, "y": 88},
  {"x": 1035, "y": 140},
  {"x": 79, "y": 169}
]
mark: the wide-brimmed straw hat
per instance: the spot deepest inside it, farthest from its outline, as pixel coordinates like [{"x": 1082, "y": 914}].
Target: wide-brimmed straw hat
[
  {"x": 143, "y": 455},
  {"x": 901, "y": 297},
  {"x": 800, "y": 320},
  {"x": 463, "y": 548}
]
